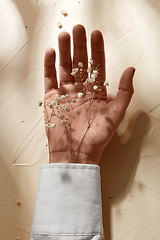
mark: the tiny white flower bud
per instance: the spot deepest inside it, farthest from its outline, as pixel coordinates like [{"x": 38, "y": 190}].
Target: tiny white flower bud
[
  {"x": 63, "y": 108},
  {"x": 57, "y": 98},
  {"x": 106, "y": 83},
  {"x": 95, "y": 87},
  {"x": 80, "y": 95},
  {"x": 91, "y": 80},
  {"x": 61, "y": 116},
  {"x": 73, "y": 74},
  {"x": 80, "y": 64},
  {"x": 75, "y": 70},
  {"x": 90, "y": 61},
  {"x": 59, "y": 25},
  {"x": 64, "y": 12},
  {"x": 63, "y": 97},
  {"x": 52, "y": 104},
  {"x": 63, "y": 122},
  {"x": 40, "y": 103},
  {"x": 53, "y": 114},
  {"x": 52, "y": 125},
  {"x": 89, "y": 69},
  {"x": 67, "y": 95}
]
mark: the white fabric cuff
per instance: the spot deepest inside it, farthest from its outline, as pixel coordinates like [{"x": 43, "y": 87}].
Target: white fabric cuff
[{"x": 68, "y": 203}]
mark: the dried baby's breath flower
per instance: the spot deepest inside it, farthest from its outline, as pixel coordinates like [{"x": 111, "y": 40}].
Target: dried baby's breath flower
[
  {"x": 40, "y": 103},
  {"x": 80, "y": 95},
  {"x": 63, "y": 97},
  {"x": 89, "y": 69},
  {"x": 80, "y": 64},
  {"x": 92, "y": 79},
  {"x": 67, "y": 95},
  {"x": 95, "y": 87},
  {"x": 52, "y": 125},
  {"x": 63, "y": 108},
  {"x": 106, "y": 83},
  {"x": 52, "y": 104},
  {"x": 57, "y": 98},
  {"x": 90, "y": 61},
  {"x": 59, "y": 25},
  {"x": 75, "y": 70},
  {"x": 48, "y": 124},
  {"x": 63, "y": 122},
  {"x": 53, "y": 114},
  {"x": 73, "y": 74},
  {"x": 64, "y": 12},
  {"x": 61, "y": 116}
]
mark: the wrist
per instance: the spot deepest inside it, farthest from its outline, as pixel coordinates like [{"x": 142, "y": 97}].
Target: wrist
[{"x": 65, "y": 157}]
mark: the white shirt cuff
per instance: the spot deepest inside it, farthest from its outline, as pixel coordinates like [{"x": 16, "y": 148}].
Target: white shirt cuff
[{"x": 68, "y": 203}]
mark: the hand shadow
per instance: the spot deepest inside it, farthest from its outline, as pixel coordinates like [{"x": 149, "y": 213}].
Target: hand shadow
[{"x": 118, "y": 165}]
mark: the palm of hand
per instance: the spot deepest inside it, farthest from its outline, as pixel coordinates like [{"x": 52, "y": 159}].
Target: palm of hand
[{"x": 92, "y": 121}]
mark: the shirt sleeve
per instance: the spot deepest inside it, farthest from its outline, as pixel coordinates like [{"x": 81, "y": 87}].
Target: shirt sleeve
[{"x": 68, "y": 203}]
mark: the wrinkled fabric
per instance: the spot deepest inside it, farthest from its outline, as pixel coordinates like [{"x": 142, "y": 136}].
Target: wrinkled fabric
[{"x": 68, "y": 203}]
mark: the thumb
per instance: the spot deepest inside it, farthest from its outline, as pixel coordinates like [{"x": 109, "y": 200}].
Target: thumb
[{"x": 125, "y": 91}]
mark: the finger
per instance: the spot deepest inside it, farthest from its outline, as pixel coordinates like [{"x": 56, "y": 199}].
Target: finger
[
  {"x": 124, "y": 95},
  {"x": 65, "y": 63},
  {"x": 50, "y": 79},
  {"x": 79, "y": 48},
  {"x": 98, "y": 54}
]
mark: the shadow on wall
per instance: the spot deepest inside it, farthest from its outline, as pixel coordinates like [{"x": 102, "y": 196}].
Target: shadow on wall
[{"x": 118, "y": 166}]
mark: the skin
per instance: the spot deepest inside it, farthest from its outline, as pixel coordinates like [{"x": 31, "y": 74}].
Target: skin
[{"x": 84, "y": 141}]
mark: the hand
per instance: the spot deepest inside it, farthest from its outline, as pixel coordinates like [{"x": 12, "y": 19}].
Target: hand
[{"x": 92, "y": 120}]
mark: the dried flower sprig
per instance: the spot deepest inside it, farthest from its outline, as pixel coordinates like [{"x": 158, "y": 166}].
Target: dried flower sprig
[{"x": 62, "y": 106}]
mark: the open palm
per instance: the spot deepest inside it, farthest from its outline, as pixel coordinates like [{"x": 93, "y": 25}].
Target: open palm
[{"x": 92, "y": 120}]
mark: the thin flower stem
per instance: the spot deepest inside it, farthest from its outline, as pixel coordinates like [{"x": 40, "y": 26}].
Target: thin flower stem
[{"x": 79, "y": 143}]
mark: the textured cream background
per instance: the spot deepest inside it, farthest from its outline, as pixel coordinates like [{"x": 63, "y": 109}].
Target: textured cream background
[{"x": 130, "y": 165}]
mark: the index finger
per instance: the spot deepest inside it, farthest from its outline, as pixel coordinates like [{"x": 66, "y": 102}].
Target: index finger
[{"x": 50, "y": 78}]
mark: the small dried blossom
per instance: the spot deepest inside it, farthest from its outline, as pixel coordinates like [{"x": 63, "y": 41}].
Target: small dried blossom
[
  {"x": 67, "y": 95},
  {"x": 52, "y": 104},
  {"x": 90, "y": 61},
  {"x": 63, "y": 108},
  {"x": 95, "y": 87},
  {"x": 80, "y": 95},
  {"x": 80, "y": 64},
  {"x": 40, "y": 103},
  {"x": 48, "y": 124},
  {"x": 63, "y": 122},
  {"x": 64, "y": 12},
  {"x": 59, "y": 24},
  {"x": 89, "y": 69},
  {"x": 73, "y": 74},
  {"x": 91, "y": 80},
  {"x": 57, "y": 98},
  {"x": 61, "y": 116},
  {"x": 63, "y": 97},
  {"x": 73, "y": 100},
  {"x": 106, "y": 83},
  {"x": 53, "y": 114}
]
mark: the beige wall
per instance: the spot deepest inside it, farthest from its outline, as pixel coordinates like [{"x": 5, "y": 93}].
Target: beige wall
[{"x": 130, "y": 165}]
